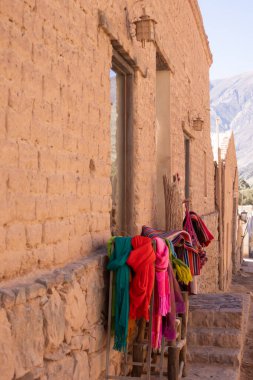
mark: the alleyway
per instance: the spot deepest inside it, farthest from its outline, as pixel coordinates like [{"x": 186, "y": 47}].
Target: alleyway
[
  {"x": 243, "y": 283},
  {"x": 215, "y": 345}
]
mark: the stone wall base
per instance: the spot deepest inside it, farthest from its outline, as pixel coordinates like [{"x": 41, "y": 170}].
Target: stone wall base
[{"x": 53, "y": 325}]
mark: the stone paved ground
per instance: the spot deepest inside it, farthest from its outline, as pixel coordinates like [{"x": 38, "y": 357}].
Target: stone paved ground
[{"x": 242, "y": 285}]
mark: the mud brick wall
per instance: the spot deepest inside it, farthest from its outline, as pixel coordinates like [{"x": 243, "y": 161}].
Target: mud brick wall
[
  {"x": 55, "y": 190},
  {"x": 208, "y": 281}
]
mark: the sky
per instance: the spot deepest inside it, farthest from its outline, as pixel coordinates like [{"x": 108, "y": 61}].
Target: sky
[{"x": 229, "y": 26}]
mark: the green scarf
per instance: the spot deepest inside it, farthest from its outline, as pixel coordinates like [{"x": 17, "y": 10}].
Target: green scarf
[{"x": 117, "y": 263}]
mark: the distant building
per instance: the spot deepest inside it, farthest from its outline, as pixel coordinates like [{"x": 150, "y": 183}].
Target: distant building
[{"x": 227, "y": 196}]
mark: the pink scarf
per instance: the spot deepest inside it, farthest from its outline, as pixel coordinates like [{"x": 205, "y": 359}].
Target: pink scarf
[
  {"x": 177, "y": 306},
  {"x": 162, "y": 291}
]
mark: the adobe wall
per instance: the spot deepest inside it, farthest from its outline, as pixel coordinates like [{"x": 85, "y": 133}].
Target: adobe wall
[
  {"x": 230, "y": 222},
  {"x": 55, "y": 110},
  {"x": 55, "y": 189},
  {"x": 208, "y": 281}
]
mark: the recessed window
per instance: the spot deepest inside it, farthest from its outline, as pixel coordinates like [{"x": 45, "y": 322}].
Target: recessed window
[
  {"x": 187, "y": 166},
  {"x": 205, "y": 175},
  {"x": 120, "y": 127}
]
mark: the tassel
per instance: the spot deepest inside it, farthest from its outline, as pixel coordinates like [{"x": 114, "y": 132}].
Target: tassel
[{"x": 164, "y": 306}]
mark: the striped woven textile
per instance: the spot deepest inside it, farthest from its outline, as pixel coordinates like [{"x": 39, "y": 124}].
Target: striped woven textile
[
  {"x": 182, "y": 243},
  {"x": 200, "y": 235},
  {"x": 202, "y": 232}
]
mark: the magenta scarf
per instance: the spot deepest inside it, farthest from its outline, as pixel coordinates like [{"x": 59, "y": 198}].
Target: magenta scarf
[
  {"x": 162, "y": 304},
  {"x": 177, "y": 306}
]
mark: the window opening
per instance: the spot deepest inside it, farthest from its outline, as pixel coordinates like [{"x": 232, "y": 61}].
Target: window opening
[
  {"x": 205, "y": 175},
  {"x": 120, "y": 92},
  {"x": 187, "y": 166}
]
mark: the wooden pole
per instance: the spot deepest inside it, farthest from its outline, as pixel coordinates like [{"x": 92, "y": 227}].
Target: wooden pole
[{"x": 183, "y": 352}]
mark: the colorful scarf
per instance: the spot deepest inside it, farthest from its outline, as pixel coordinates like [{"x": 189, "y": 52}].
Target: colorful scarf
[
  {"x": 161, "y": 292},
  {"x": 117, "y": 263},
  {"x": 200, "y": 235},
  {"x": 203, "y": 234},
  {"x": 178, "y": 238},
  {"x": 181, "y": 270},
  {"x": 177, "y": 306},
  {"x": 141, "y": 260},
  {"x": 181, "y": 240}
]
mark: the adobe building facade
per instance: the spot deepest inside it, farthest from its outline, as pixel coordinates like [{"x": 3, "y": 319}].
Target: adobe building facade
[
  {"x": 57, "y": 151},
  {"x": 227, "y": 197}
]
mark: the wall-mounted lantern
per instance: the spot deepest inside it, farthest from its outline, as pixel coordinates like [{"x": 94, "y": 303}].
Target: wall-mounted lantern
[
  {"x": 198, "y": 123},
  {"x": 243, "y": 216},
  {"x": 145, "y": 28}
]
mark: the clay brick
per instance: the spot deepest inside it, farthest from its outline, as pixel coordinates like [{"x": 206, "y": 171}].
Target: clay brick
[
  {"x": 70, "y": 183},
  {"x": 42, "y": 208},
  {"x": 52, "y": 88},
  {"x": 45, "y": 256},
  {"x": 54, "y": 231},
  {"x": 8, "y": 154},
  {"x": 70, "y": 143},
  {"x": 33, "y": 234},
  {"x": 55, "y": 184},
  {"x": 8, "y": 7},
  {"x": 38, "y": 183},
  {"x": 81, "y": 224},
  {"x": 47, "y": 161},
  {"x": 38, "y": 131},
  {"x": 7, "y": 210},
  {"x": 58, "y": 207},
  {"x": 2, "y": 238},
  {"x": 3, "y": 122},
  {"x": 15, "y": 236},
  {"x": 62, "y": 162},
  {"x": 18, "y": 181},
  {"x": 61, "y": 252},
  {"x": 55, "y": 138},
  {"x": 3, "y": 183},
  {"x": 28, "y": 156},
  {"x": 25, "y": 208}
]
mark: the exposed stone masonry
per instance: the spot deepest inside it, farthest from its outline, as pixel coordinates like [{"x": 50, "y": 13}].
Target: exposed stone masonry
[{"x": 52, "y": 326}]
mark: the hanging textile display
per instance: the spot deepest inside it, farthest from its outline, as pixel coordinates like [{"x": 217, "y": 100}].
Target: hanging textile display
[
  {"x": 203, "y": 234},
  {"x": 140, "y": 270},
  {"x": 181, "y": 241},
  {"x": 117, "y": 263},
  {"x": 200, "y": 235},
  {"x": 177, "y": 306},
  {"x": 162, "y": 295},
  {"x": 181, "y": 270},
  {"x": 141, "y": 259}
]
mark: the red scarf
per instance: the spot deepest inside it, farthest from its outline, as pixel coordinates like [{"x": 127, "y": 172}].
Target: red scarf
[{"x": 141, "y": 260}]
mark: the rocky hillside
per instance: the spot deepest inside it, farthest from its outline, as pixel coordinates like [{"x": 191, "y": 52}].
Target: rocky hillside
[{"x": 232, "y": 102}]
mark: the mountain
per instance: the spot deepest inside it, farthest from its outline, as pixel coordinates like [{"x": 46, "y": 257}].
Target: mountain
[{"x": 232, "y": 102}]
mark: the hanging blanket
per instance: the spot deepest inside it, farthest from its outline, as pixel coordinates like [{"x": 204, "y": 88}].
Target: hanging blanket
[
  {"x": 178, "y": 238},
  {"x": 117, "y": 263},
  {"x": 141, "y": 260},
  {"x": 181, "y": 240},
  {"x": 177, "y": 306},
  {"x": 203, "y": 234},
  {"x": 161, "y": 292}
]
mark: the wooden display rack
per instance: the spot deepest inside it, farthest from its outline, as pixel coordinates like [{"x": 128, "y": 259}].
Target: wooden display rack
[{"x": 153, "y": 366}]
